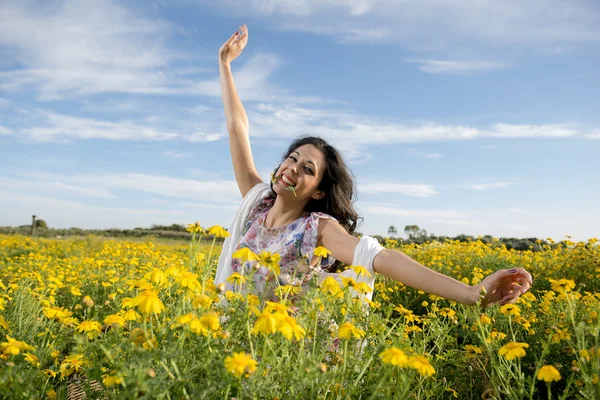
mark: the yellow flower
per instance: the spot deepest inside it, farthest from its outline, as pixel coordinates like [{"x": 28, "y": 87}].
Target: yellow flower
[
  {"x": 218, "y": 231},
  {"x": 114, "y": 319},
  {"x": 3, "y": 324},
  {"x": 14, "y": 347},
  {"x": 348, "y": 330},
  {"x": 271, "y": 261},
  {"x": 157, "y": 277},
  {"x": 473, "y": 351},
  {"x": 284, "y": 290},
  {"x": 245, "y": 254},
  {"x": 562, "y": 285},
  {"x": 360, "y": 271},
  {"x": 394, "y": 356},
  {"x": 391, "y": 242},
  {"x": 513, "y": 350},
  {"x": 149, "y": 302},
  {"x": 31, "y": 359},
  {"x": 447, "y": 312},
  {"x": 348, "y": 282},
  {"x": 92, "y": 328},
  {"x": 240, "y": 363},
  {"x": 209, "y": 322},
  {"x": 510, "y": 309},
  {"x": 266, "y": 323},
  {"x": 321, "y": 252},
  {"x": 484, "y": 319},
  {"x": 548, "y": 374},
  {"x": 288, "y": 327},
  {"x": 236, "y": 279},
  {"x": 189, "y": 280},
  {"x": 131, "y": 315},
  {"x": 332, "y": 287},
  {"x": 111, "y": 379},
  {"x": 194, "y": 228},
  {"x": 202, "y": 301},
  {"x": 362, "y": 288},
  {"x": 421, "y": 364},
  {"x": 75, "y": 291},
  {"x": 71, "y": 364}
]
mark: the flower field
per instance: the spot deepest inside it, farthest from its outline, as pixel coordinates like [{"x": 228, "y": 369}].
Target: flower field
[{"x": 118, "y": 319}]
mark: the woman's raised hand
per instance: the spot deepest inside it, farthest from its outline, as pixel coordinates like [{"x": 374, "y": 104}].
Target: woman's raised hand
[
  {"x": 504, "y": 286},
  {"x": 233, "y": 47}
]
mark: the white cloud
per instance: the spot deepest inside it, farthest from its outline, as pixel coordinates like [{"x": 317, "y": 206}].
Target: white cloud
[
  {"x": 62, "y": 127},
  {"x": 516, "y": 210},
  {"x": 594, "y": 135},
  {"x": 521, "y": 131},
  {"x": 418, "y": 190},
  {"x": 355, "y": 133},
  {"x": 458, "y": 67},
  {"x": 487, "y": 186},
  {"x": 41, "y": 185},
  {"x": 431, "y": 25},
  {"x": 215, "y": 191},
  {"x": 204, "y": 137},
  {"x": 384, "y": 209},
  {"x": 421, "y": 153},
  {"x": 5, "y": 131},
  {"x": 4, "y": 102},
  {"x": 85, "y": 46}
]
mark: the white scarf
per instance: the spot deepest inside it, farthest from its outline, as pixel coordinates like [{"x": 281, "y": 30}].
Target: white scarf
[{"x": 364, "y": 253}]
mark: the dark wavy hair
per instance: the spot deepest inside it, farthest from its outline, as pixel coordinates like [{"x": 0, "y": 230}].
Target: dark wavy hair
[{"x": 338, "y": 184}]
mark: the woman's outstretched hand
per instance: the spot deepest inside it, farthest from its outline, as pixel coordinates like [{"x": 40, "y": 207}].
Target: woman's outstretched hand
[
  {"x": 504, "y": 286},
  {"x": 233, "y": 47}
]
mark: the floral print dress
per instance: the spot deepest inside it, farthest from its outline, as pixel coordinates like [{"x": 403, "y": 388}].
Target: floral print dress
[{"x": 295, "y": 243}]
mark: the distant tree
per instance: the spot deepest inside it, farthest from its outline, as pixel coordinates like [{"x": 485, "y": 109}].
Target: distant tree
[
  {"x": 414, "y": 232},
  {"x": 40, "y": 223},
  {"x": 392, "y": 231}
]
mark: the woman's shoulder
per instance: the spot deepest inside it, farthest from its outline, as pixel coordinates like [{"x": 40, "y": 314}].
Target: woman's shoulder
[{"x": 316, "y": 215}]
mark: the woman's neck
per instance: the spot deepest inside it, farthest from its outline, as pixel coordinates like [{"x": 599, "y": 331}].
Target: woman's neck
[{"x": 283, "y": 213}]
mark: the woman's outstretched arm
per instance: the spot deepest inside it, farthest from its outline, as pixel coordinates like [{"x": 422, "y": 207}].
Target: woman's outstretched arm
[
  {"x": 503, "y": 286},
  {"x": 237, "y": 120}
]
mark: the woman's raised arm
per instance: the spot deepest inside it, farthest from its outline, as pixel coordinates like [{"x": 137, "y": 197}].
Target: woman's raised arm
[{"x": 237, "y": 120}]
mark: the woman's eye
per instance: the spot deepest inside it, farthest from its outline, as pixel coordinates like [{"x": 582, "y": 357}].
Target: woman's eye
[{"x": 309, "y": 170}]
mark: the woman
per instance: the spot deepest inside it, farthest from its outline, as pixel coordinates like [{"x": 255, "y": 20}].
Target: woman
[{"x": 309, "y": 204}]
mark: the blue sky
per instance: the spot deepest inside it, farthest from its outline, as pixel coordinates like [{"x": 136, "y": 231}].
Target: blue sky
[{"x": 461, "y": 117}]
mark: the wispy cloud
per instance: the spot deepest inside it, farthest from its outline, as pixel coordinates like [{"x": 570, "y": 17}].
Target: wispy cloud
[
  {"x": 486, "y": 186},
  {"x": 5, "y": 131},
  {"x": 457, "y": 67},
  {"x": 418, "y": 190},
  {"x": 215, "y": 191},
  {"x": 115, "y": 50},
  {"x": 594, "y": 135},
  {"x": 530, "y": 131},
  {"x": 385, "y": 209},
  {"x": 430, "y": 25},
  {"x": 44, "y": 186},
  {"x": 421, "y": 153},
  {"x": 353, "y": 132},
  {"x": 55, "y": 127}
]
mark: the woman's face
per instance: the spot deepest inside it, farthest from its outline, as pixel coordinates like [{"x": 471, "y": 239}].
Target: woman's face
[{"x": 303, "y": 169}]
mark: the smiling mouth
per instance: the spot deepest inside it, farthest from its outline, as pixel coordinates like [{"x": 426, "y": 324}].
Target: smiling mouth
[{"x": 287, "y": 181}]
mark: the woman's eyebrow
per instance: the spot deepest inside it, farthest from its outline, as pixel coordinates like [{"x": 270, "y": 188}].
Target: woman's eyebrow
[{"x": 308, "y": 161}]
